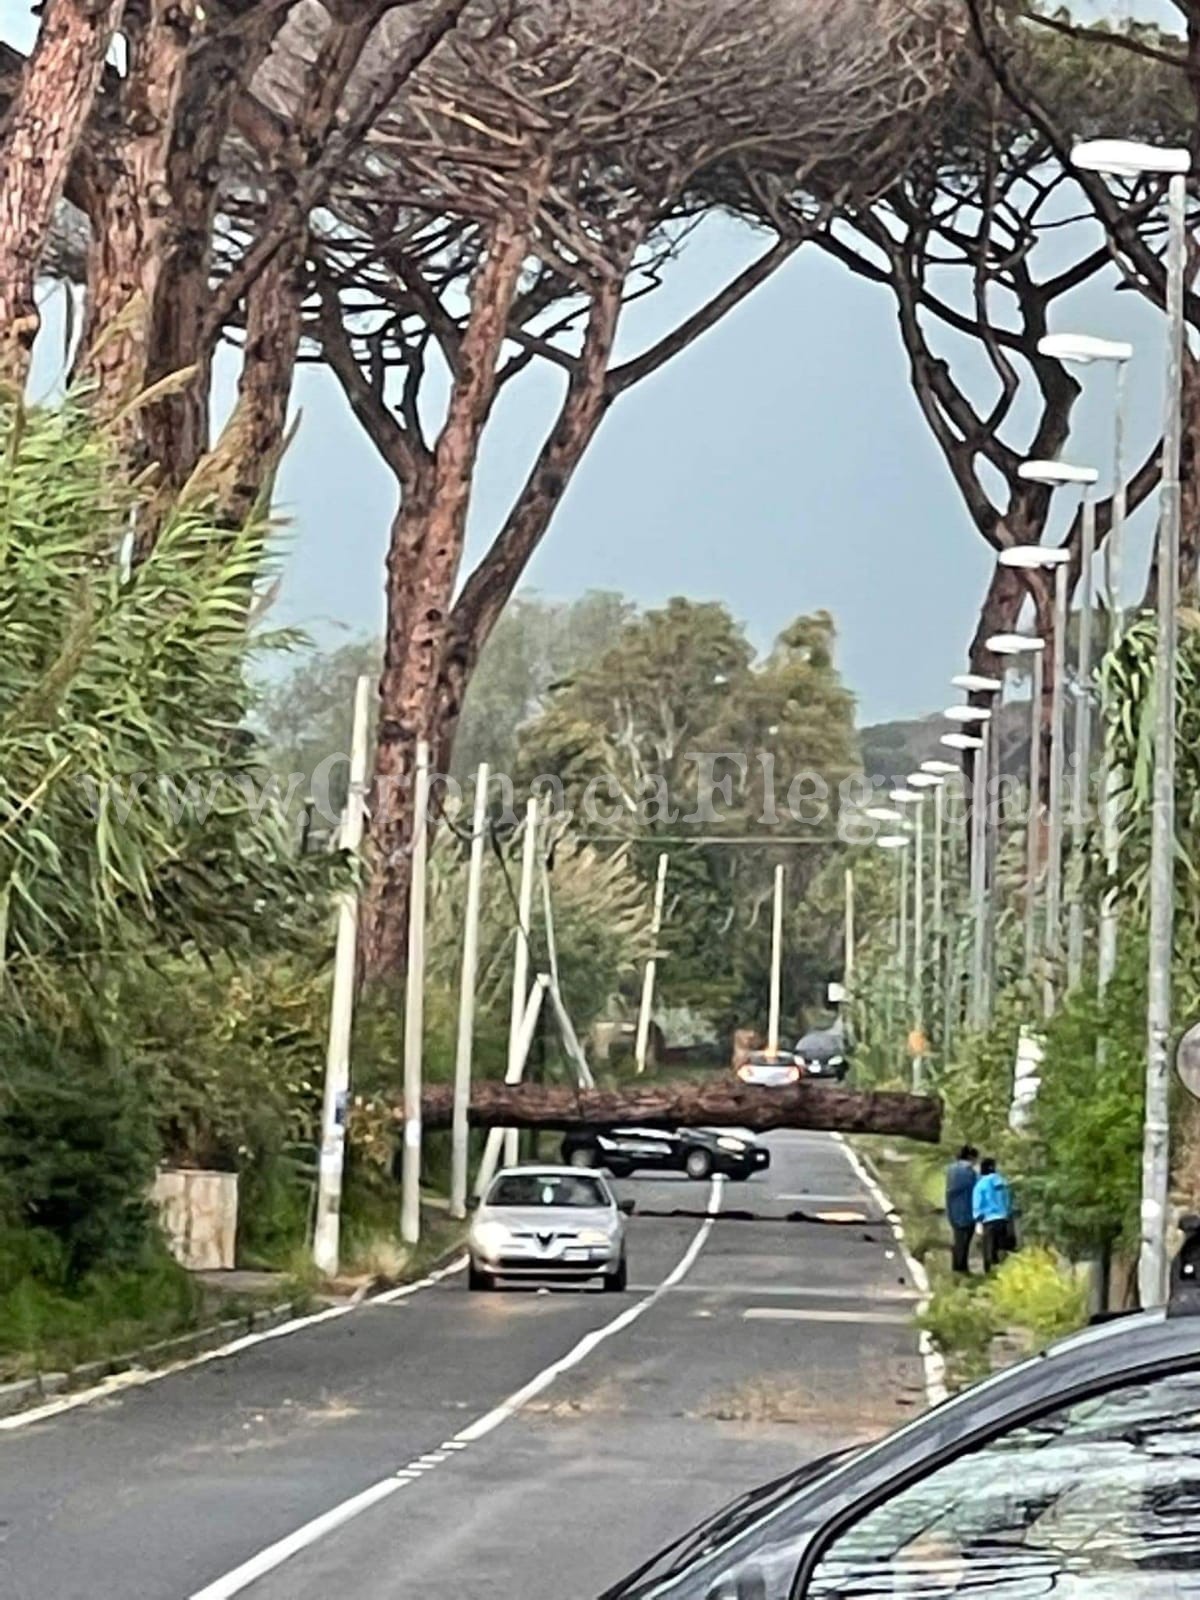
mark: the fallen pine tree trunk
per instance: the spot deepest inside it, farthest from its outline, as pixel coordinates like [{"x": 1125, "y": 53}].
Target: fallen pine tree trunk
[{"x": 687, "y": 1104}]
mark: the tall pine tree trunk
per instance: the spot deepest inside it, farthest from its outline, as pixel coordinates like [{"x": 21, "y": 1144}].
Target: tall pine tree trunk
[{"x": 37, "y": 145}]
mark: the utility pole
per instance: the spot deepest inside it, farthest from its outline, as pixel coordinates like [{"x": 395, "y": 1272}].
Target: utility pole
[
  {"x": 776, "y": 964},
  {"x": 520, "y": 983},
  {"x": 332, "y": 1156},
  {"x": 644, "y": 1010},
  {"x": 1083, "y": 746},
  {"x": 1054, "y": 863},
  {"x": 848, "y": 934},
  {"x": 1156, "y": 1152},
  {"x": 497, "y": 1137},
  {"x": 1033, "y": 826},
  {"x": 917, "y": 1003},
  {"x": 979, "y": 842},
  {"x": 466, "y": 1002},
  {"x": 414, "y": 1006}
]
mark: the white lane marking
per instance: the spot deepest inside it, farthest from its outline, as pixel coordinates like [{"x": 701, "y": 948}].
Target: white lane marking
[
  {"x": 803, "y": 1314},
  {"x": 240, "y": 1579},
  {"x": 272, "y": 1557},
  {"x": 138, "y": 1377},
  {"x": 931, "y": 1360},
  {"x": 747, "y": 1291}
]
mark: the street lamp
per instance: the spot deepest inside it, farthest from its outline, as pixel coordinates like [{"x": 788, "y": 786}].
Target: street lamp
[
  {"x": 1027, "y": 558},
  {"x": 976, "y": 683},
  {"x": 944, "y": 769},
  {"x": 1129, "y": 158},
  {"x": 967, "y": 714},
  {"x": 961, "y": 741},
  {"x": 1082, "y": 349},
  {"x": 1085, "y": 350},
  {"x": 883, "y": 814},
  {"x": 1057, "y": 473},
  {"x": 1015, "y": 645}
]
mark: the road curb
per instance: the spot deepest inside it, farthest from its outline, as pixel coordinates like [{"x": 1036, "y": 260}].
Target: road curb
[
  {"x": 25, "y": 1394},
  {"x": 936, "y": 1388}
]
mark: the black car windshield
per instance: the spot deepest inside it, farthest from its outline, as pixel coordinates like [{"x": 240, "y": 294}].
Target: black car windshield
[{"x": 547, "y": 1189}]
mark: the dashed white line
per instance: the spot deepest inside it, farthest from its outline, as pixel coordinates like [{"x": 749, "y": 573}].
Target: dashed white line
[{"x": 275, "y": 1555}]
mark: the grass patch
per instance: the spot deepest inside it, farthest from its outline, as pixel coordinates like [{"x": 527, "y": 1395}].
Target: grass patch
[{"x": 48, "y": 1329}]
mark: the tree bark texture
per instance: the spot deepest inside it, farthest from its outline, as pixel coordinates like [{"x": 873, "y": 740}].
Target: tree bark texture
[
  {"x": 37, "y": 145},
  {"x": 130, "y": 207},
  {"x": 687, "y": 1104},
  {"x": 423, "y": 559},
  {"x": 237, "y": 476}
]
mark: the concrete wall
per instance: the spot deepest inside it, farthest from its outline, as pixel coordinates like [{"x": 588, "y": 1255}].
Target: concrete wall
[{"x": 198, "y": 1211}]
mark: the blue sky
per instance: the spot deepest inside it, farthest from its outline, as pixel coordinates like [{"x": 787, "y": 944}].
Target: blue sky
[{"x": 780, "y": 465}]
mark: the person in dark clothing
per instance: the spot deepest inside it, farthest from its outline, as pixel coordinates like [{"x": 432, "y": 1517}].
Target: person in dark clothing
[
  {"x": 961, "y": 1179},
  {"x": 993, "y": 1210}
]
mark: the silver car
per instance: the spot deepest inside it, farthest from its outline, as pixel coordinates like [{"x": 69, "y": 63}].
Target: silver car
[{"x": 543, "y": 1224}]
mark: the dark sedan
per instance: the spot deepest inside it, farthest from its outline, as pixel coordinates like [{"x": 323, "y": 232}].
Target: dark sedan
[
  {"x": 698, "y": 1152},
  {"x": 822, "y": 1054},
  {"x": 1075, "y": 1475}
]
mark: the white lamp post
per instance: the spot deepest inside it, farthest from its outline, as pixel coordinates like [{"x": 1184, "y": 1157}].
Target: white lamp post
[
  {"x": 1027, "y": 558},
  {"x": 1057, "y": 473},
  {"x": 1022, "y": 644},
  {"x": 1128, "y": 158}
]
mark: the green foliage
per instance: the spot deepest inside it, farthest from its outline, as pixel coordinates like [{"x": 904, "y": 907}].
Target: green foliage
[
  {"x": 1081, "y": 1160},
  {"x": 675, "y": 708},
  {"x": 1033, "y": 1291},
  {"x": 124, "y": 785},
  {"x": 45, "y": 1327},
  {"x": 962, "y": 1321},
  {"x": 77, "y": 1150}
]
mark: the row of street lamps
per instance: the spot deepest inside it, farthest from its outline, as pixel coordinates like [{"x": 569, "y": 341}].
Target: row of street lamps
[{"x": 976, "y": 730}]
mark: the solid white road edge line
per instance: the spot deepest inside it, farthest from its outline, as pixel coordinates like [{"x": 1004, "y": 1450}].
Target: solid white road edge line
[
  {"x": 138, "y": 1377},
  {"x": 240, "y": 1579},
  {"x": 935, "y": 1368}
]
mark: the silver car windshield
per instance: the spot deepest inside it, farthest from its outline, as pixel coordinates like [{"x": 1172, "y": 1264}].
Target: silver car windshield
[{"x": 561, "y": 1189}]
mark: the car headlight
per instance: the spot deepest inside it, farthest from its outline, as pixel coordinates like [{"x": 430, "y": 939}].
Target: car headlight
[
  {"x": 835, "y": 1061},
  {"x": 491, "y": 1237},
  {"x": 594, "y": 1236},
  {"x": 737, "y": 1145}
]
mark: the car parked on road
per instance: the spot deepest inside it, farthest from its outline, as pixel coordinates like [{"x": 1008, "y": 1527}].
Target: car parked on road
[
  {"x": 763, "y": 1069},
  {"x": 822, "y": 1054},
  {"x": 698, "y": 1152},
  {"x": 1075, "y": 1476},
  {"x": 548, "y": 1224}
]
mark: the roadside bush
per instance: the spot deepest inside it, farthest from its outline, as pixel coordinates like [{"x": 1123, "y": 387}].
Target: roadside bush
[
  {"x": 961, "y": 1320},
  {"x": 1032, "y": 1290},
  {"x": 77, "y": 1152}
]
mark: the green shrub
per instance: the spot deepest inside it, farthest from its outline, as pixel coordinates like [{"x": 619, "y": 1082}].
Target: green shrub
[
  {"x": 77, "y": 1152},
  {"x": 1032, "y": 1290},
  {"x": 962, "y": 1322}
]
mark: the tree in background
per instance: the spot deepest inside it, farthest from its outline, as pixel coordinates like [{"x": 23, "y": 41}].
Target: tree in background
[
  {"x": 676, "y": 714},
  {"x": 302, "y": 721}
]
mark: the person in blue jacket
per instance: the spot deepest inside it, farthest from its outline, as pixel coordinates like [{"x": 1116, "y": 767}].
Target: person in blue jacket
[
  {"x": 961, "y": 1178},
  {"x": 993, "y": 1211}
]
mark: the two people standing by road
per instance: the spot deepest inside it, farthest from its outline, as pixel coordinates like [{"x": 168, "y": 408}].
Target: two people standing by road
[{"x": 978, "y": 1198}]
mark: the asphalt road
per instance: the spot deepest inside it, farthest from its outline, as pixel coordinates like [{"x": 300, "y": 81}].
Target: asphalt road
[{"x": 383, "y": 1454}]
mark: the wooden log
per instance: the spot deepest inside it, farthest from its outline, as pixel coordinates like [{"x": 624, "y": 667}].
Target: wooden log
[{"x": 688, "y": 1104}]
